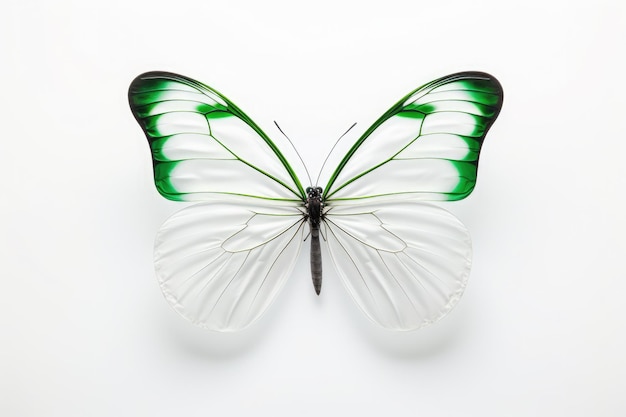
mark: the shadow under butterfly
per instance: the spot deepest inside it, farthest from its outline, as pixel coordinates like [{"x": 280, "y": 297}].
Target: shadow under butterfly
[{"x": 221, "y": 262}]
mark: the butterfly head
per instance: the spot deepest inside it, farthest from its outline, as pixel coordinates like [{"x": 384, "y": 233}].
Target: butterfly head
[{"x": 314, "y": 193}]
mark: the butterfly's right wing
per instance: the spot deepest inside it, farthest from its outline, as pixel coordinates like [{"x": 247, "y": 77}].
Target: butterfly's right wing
[{"x": 221, "y": 264}]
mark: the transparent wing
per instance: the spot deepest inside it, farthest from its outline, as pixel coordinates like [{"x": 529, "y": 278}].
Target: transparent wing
[
  {"x": 203, "y": 145},
  {"x": 405, "y": 263},
  {"x": 220, "y": 265},
  {"x": 426, "y": 146}
]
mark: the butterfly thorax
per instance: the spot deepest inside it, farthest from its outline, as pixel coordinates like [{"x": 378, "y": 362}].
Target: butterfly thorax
[{"x": 314, "y": 206}]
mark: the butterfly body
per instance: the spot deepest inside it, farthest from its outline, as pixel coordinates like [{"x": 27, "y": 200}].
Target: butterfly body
[
  {"x": 404, "y": 260},
  {"x": 315, "y": 208}
]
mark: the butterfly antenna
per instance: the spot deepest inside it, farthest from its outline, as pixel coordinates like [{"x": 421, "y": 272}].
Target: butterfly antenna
[
  {"x": 331, "y": 151},
  {"x": 297, "y": 153}
]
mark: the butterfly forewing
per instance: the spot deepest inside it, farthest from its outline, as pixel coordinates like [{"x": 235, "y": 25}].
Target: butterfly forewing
[
  {"x": 426, "y": 146},
  {"x": 203, "y": 145}
]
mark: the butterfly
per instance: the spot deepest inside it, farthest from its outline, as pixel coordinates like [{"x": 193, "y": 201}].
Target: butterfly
[{"x": 404, "y": 260}]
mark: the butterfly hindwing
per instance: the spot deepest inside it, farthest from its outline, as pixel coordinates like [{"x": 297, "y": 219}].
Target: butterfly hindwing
[
  {"x": 221, "y": 264},
  {"x": 405, "y": 263}
]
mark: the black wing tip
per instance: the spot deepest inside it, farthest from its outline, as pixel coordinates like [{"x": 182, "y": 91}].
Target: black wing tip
[
  {"x": 162, "y": 74},
  {"x": 464, "y": 75},
  {"x": 481, "y": 75},
  {"x": 155, "y": 74},
  {"x": 133, "y": 87}
]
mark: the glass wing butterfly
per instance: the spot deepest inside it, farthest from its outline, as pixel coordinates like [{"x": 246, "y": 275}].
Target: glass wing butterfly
[{"x": 221, "y": 262}]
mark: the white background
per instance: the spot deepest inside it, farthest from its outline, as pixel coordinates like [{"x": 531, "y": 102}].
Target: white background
[{"x": 84, "y": 330}]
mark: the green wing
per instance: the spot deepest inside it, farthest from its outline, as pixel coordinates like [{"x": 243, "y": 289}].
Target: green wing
[
  {"x": 204, "y": 146},
  {"x": 427, "y": 145}
]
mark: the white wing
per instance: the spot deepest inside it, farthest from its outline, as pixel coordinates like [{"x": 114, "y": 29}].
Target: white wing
[
  {"x": 405, "y": 263},
  {"x": 220, "y": 265}
]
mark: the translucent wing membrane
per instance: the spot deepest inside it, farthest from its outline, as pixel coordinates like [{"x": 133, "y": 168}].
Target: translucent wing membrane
[
  {"x": 426, "y": 146},
  {"x": 203, "y": 145},
  {"x": 221, "y": 265},
  {"x": 405, "y": 263}
]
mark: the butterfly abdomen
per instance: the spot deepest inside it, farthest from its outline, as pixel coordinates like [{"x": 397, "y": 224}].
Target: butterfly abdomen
[{"x": 316, "y": 259}]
